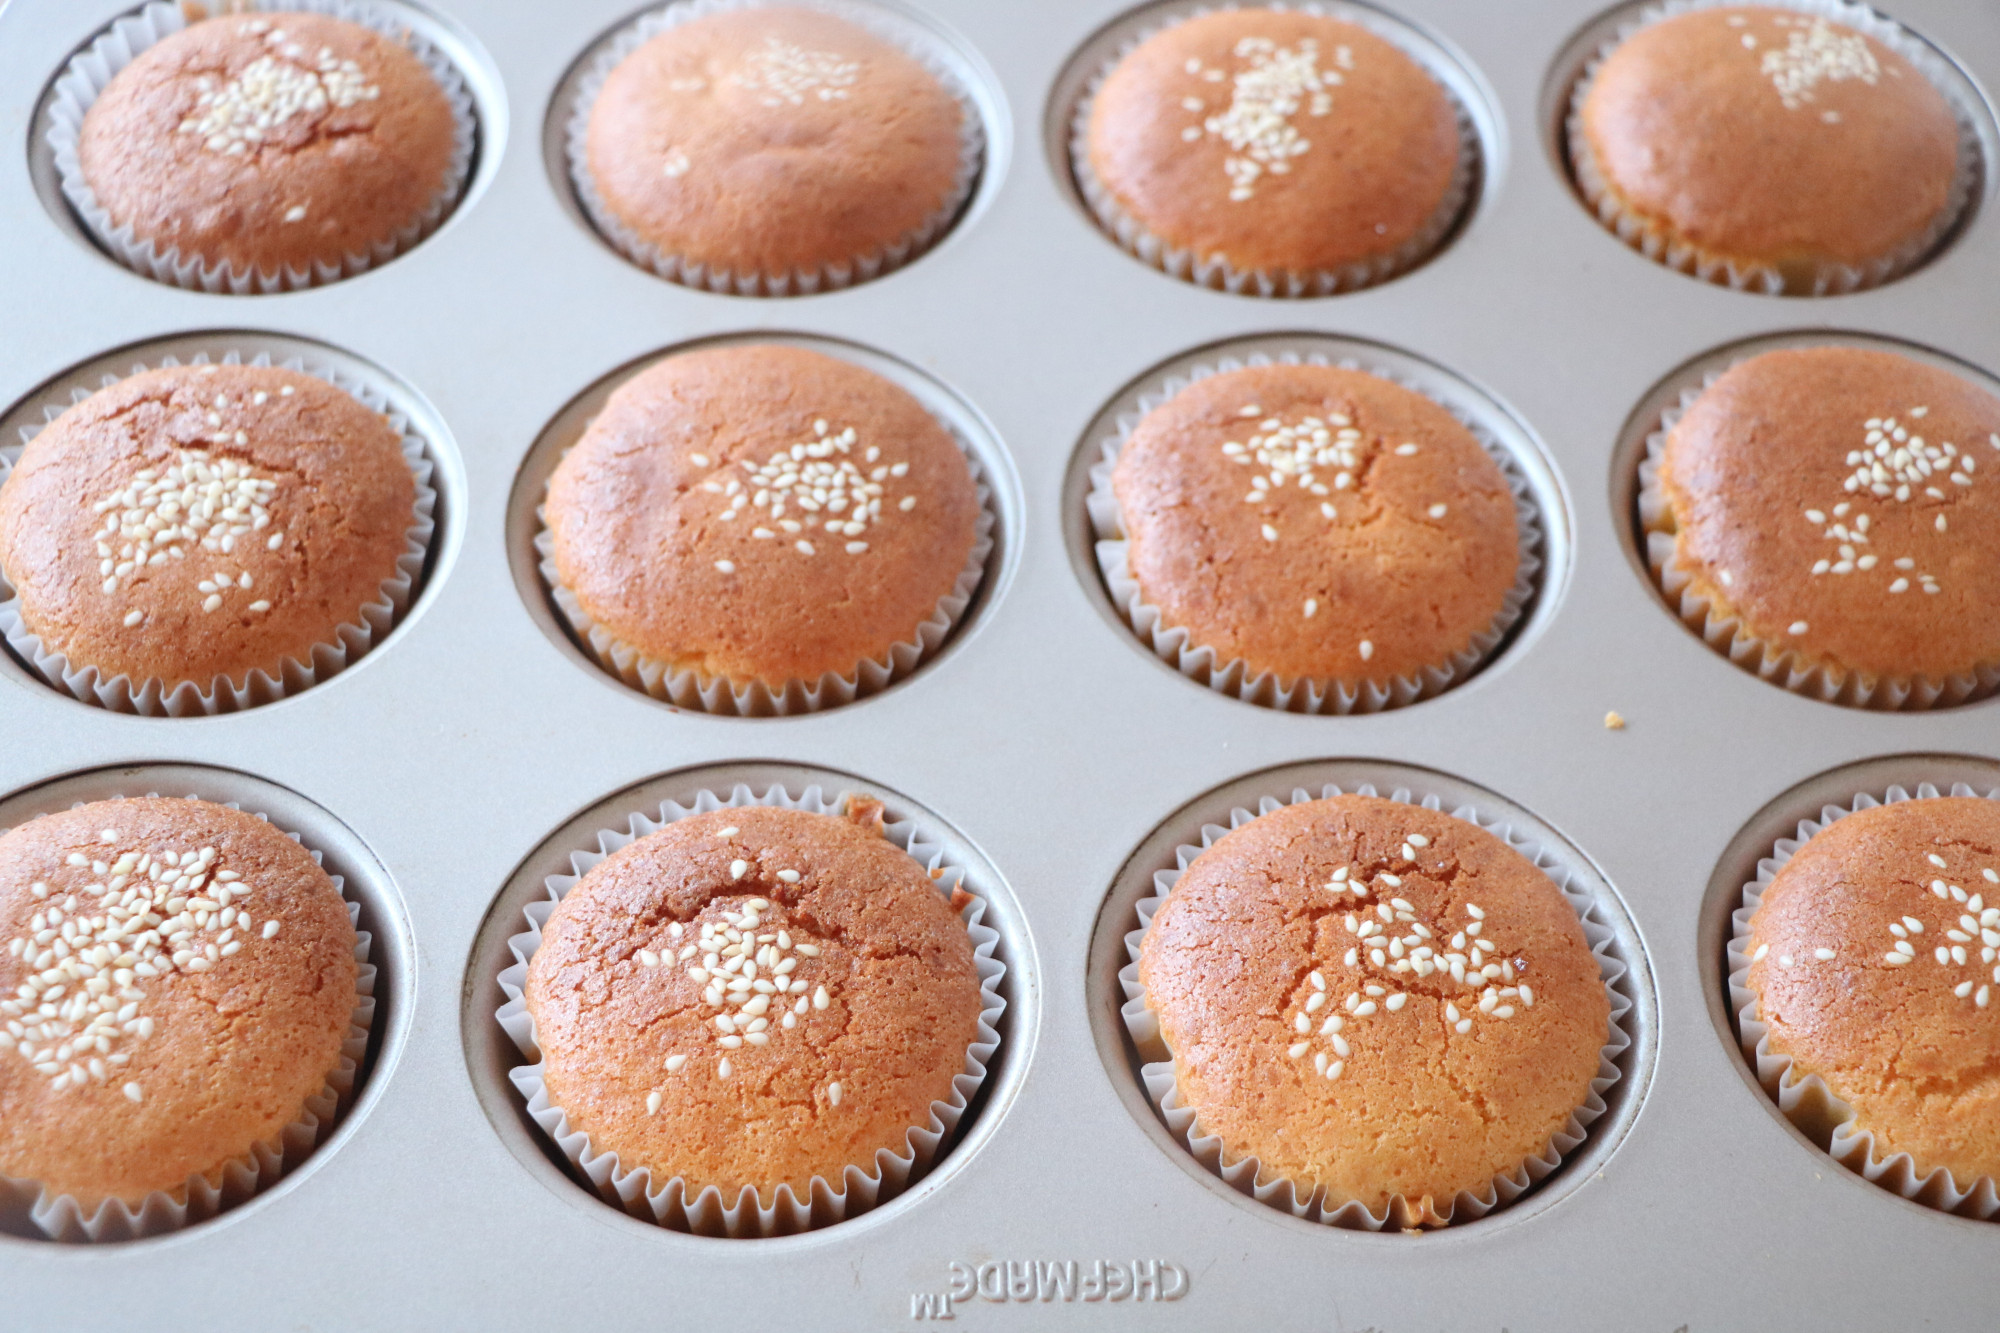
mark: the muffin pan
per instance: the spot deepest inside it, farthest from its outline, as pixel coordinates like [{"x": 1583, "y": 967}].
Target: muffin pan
[{"x": 456, "y": 757}]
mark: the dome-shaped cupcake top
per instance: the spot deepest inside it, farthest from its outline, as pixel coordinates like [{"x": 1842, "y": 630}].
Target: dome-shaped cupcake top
[
  {"x": 754, "y": 997},
  {"x": 191, "y": 522},
  {"x": 201, "y": 970},
  {"x": 270, "y": 142},
  {"x": 1840, "y": 502},
  {"x": 1769, "y": 136},
  {"x": 1875, "y": 960},
  {"x": 1377, "y": 999}
]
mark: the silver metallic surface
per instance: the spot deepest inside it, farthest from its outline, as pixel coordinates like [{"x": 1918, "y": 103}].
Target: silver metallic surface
[{"x": 1042, "y": 735}]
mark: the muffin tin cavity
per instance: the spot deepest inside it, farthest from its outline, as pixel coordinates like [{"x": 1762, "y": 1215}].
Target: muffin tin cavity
[
  {"x": 494, "y": 1058},
  {"x": 479, "y": 94},
  {"x": 1093, "y": 531},
  {"x": 1483, "y": 143},
  {"x": 427, "y": 445},
  {"x": 1979, "y": 134},
  {"x": 985, "y": 138},
  {"x": 1774, "y": 830},
  {"x": 645, "y": 678},
  {"x": 1646, "y": 548},
  {"x": 365, "y": 882},
  {"x": 1615, "y": 938}
]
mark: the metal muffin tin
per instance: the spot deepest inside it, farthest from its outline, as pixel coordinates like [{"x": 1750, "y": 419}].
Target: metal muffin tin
[{"x": 452, "y": 758}]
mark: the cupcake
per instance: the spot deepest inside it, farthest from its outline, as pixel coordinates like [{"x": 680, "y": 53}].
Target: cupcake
[
  {"x": 1770, "y": 148},
  {"x": 264, "y": 151},
  {"x": 762, "y": 528},
  {"x": 1822, "y": 515},
  {"x": 1314, "y": 537},
  {"x": 1868, "y": 1000},
  {"x": 769, "y": 149},
  {"x": 1269, "y": 150},
  {"x": 775, "y": 1005},
  {"x": 182, "y": 994},
  {"x": 1377, "y": 1004},
  {"x": 199, "y": 538}
]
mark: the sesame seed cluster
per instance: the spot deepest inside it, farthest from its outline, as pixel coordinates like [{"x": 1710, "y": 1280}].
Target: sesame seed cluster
[
  {"x": 1276, "y": 84},
  {"x": 144, "y": 915},
  {"x": 1815, "y": 52},
  {"x": 1395, "y": 942},
  {"x": 1303, "y": 450},
  {"x": 822, "y": 481},
  {"x": 233, "y": 117},
  {"x": 787, "y": 74}
]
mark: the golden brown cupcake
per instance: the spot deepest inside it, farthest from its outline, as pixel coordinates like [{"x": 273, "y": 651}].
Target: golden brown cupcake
[
  {"x": 1768, "y": 147},
  {"x": 180, "y": 980},
  {"x": 1834, "y": 503},
  {"x": 1382, "y": 1004},
  {"x": 1875, "y": 964},
  {"x": 772, "y": 148},
  {"x": 1294, "y": 152},
  {"x": 199, "y": 523},
  {"x": 1318, "y": 524},
  {"x": 761, "y": 515},
  {"x": 754, "y": 998},
  {"x": 271, "y": 144}
]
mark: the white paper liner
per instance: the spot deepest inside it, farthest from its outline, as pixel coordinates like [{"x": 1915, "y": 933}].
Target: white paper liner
[
  {"x": 1828, "y": 279},
  {"x": 675, "y": 1203},
  {"x": 1824, "y": 1117},
  {"x": 1215, "y": 270},
  {"x": 687, "y": 687},
  {"x": 61, "y": 1217},
  {"x": 1176, "y": 646},
  {"x": 1246, "y": 1174},
  {"x": 1776, "y": 662},
  {"x": 159, "y": 698},
  {"x": 906, "y": 36},
  {"x": 84, "y": 79}
]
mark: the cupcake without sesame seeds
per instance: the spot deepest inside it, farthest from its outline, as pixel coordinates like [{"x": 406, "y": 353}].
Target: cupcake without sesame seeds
[
  {"x": 771, "y": 149},
  {"x": 203, "y": 538},
  {"x": 754, "y": 1018},
  {"x": 234, "y": 1014},
  {"x": 1796, "y": 148},
  {"x": 1372, "y": 1013},
  {"x": 1311, "y": 537},
  {"x": 1277, "y": 151},
  {"x": 1821, "y": 515},
  {"x": 260, "y": 151},
  {"x": 1864, "y": 969},
  {"x": 761, "y": 528}
]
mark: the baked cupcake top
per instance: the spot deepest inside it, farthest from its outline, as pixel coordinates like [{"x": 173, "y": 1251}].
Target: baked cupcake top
[
  {"x": 762, "y": 513},
  {"x": 1375, "y": 998},
  {"x": 1837, "y": 501},
  {"x": 1275, "y": 140},
  {"x": 270, "y": 142},
  {"x": 1767, "y": 136},
  {"x": 201, "y": 1044},
  {"x": 1316, "y": 522},
  {"x": 1874, "y": 957},
  {"x": 754, "y": 997},
  {"x": 774, "y": 140},
  {"x": 192, "y": 522}
]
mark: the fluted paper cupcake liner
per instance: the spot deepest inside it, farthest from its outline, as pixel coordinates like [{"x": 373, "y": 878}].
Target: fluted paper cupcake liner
[
  {"x": 1807, "y": 1101},
  {"x": 1176, "y": 645},
  {"x": 685, "y": 1205},
  {"x": 62, "y": 1217},
  {"x": 1651, "y": 239},
  {"x": 223, "y": 694},
  {"x": 1246, "y": 1173},
  {"x": 84, "y": 79},
  {"x": 688, "y": 687},
  {"x": 1778, "y": 663},
  {"x": 1215, "y": 270},
  {"x": 906, "y": 36}
]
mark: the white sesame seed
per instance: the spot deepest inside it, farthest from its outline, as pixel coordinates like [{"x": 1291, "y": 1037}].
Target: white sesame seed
[
  {"x": 1437, "y": 511},
  {"x": 1367, "y": 650},
  {"x": 132, "y": 1092},
  {"x": 726, "y": 566},
  {"x": 1798, "y": 627}
]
